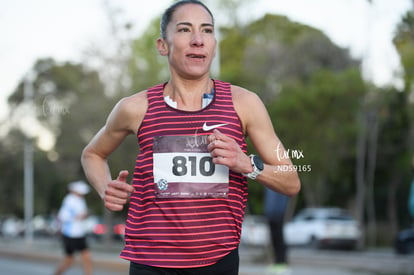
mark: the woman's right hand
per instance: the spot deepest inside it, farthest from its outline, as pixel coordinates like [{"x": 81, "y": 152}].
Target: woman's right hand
[{"x": 117, "y": 192}]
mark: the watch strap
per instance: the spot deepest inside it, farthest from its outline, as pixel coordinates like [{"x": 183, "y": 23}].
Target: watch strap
[{"x": 256, "y": 171}]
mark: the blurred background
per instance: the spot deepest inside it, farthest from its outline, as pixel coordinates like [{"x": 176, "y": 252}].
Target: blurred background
[{"x": 337, "y": 77}]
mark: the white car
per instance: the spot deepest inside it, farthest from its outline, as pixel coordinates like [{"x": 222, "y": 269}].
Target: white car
[{"x": 323, "y": 227}]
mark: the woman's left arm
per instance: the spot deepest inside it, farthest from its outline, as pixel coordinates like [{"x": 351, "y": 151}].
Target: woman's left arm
[{"x": 258, "y": 127}]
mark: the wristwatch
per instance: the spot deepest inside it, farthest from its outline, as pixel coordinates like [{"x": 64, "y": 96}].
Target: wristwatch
[{"x": 258, "y": 166}]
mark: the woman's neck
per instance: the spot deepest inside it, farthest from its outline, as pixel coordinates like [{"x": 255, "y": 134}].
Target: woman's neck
[{"x": 188, "y": 94}]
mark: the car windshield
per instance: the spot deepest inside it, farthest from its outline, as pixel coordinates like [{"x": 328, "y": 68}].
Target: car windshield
[
  {"x": 339, "y": 218},
  {"x": 324, "y": 215}
]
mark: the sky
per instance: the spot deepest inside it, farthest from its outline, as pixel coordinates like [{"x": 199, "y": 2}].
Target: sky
[{"x": 63, "y": 29}]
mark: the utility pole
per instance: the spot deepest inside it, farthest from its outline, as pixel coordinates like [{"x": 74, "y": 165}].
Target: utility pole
[
  {"x": 28, "y": 163},
  {"x": 28, "y": 151}
]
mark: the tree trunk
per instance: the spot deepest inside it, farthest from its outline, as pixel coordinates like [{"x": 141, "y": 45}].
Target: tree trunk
[
  {"x": 392, "y": 204},
  {"x": 371, "y": 165},
  {"x": 360, "y": 175}
]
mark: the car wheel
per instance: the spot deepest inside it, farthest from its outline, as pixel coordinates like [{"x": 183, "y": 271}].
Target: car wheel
[
  {"x": 409, "y": 247},
  {"x": 354, "y": 246},
  {"x": 404, "y": 247},
  {"x": 314, "y": 243}
]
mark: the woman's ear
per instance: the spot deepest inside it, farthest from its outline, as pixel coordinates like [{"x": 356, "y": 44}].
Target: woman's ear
[{"x": 162, "y": 47}]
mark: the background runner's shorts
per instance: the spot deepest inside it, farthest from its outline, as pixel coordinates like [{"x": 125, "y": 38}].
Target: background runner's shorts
[{"x": 72, "y": 245}]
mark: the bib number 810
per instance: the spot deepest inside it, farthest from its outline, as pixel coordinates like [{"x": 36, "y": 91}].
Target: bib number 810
[{"x": 182, "y": 165}]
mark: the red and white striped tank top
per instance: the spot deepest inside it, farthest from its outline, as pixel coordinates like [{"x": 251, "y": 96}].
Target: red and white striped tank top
[{"x": 183, "y": 232}]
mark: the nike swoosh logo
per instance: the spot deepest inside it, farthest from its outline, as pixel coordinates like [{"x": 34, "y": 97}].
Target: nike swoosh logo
[{"x": 211, "y": 127}]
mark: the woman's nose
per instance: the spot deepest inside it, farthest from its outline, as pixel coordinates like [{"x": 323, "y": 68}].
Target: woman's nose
[{"x": 197, "y": 39}]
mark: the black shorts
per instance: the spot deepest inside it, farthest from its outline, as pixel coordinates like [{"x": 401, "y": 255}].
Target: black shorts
[
  {"x": 72, "y": 245},
  {"x": 229, "y": 265}
]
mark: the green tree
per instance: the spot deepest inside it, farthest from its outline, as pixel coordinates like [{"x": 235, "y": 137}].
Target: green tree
[
  {"x": 11, "y": 179},
  {"x": 318, "y": 118},
  {"x": 146, "y": 67},
  {"x": 273, "y": 51},
  {"x": 65, "y": 105},
  {"x": 312, "y": 89},
  {"x": 404, "y": 43},
  {"x": 398, "y": 125}
]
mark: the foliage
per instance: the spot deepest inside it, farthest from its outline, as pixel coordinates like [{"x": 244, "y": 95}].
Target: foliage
[
  {"x": 404, "y": 43},
  {"x": 393, "y": 160},
  {"x": 11, "y": 180},
  {"x": 64, "y": 103},
  {"x": 309, "y": 86},
  {"x": 319, "y": 118},
  {"x": 146, "y": 67},
  {"x": 399, "y": 118},
  {"x": 274, "y": 51}
]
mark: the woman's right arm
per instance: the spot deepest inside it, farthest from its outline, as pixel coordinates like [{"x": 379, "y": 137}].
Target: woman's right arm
[{"x": 124, "y": 119}]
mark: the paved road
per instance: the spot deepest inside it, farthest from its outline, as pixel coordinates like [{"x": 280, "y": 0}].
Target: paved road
[
  {"x": 42, "y": 256},
  {"x": 14, "y": 266},
  {"x": 11, "y": 266}
]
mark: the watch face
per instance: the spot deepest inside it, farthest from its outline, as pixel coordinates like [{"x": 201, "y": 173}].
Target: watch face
[{"x": 258, "y": 163}]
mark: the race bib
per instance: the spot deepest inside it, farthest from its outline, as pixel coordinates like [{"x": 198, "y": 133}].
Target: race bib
[{"x": 183, "y": 168}]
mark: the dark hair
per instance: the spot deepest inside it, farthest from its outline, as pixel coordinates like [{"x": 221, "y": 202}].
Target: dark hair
[{"x": 168, "y": 14}]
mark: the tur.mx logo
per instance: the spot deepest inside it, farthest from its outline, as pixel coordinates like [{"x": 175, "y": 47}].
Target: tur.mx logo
[{"x": 285, "y": 154}]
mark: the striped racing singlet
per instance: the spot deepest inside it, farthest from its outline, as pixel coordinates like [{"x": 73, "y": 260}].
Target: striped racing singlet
[{"x": 195, "y": 222}]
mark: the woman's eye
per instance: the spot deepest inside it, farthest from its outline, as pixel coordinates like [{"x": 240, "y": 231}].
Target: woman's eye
[{"x": 183, "y": 30}]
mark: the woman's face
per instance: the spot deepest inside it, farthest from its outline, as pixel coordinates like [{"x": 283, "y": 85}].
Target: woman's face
[{"x": 190, "y": 43}]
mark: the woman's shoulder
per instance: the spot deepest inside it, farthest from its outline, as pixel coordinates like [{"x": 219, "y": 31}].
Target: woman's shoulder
[
  {"x": 132, "y": 105},
  {"x": 243, "y": 96}
]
